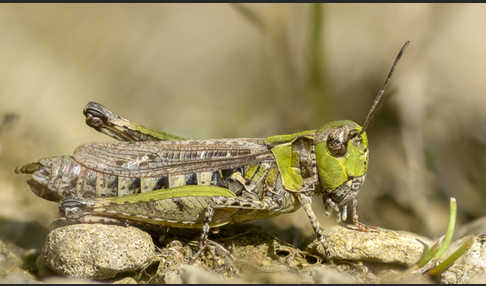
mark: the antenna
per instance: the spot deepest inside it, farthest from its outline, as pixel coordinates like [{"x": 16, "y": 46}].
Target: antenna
[{"x": 379, "y": 96}]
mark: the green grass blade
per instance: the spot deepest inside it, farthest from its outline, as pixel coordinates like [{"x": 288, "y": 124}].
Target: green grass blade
[
  {"x": 450, "y": 229},
  {"x": 440, "y": 246},
  {"x": 428, "y": 254},
  {"x": 451, "y": 259}
]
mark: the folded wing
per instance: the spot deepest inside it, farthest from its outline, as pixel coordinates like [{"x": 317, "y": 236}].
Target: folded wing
[{"x": 161, "y": 158}]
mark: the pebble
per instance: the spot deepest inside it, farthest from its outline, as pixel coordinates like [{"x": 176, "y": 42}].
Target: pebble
[
  {"x": 385, "y": 246},
  {"x": 97, "y": 251}
]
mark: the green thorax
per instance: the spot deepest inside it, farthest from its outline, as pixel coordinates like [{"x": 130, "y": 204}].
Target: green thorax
[
  {"x": 282, "y": 139},
  {"x": 333, "y": 170},
  {"x": 293, "y": 155}
]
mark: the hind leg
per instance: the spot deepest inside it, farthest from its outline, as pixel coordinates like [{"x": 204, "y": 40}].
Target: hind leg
[
  {"x": 109, "y": 123},
  {"x": 204, "y": 242}
]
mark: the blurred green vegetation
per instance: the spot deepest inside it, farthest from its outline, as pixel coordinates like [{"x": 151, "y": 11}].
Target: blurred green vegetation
[{"x": 252, "y": 70}]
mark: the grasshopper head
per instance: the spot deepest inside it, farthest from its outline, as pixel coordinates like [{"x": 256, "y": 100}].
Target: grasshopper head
[
  {"x": 342, "y": 159},
  {"x": 342, "y": 151},
  {"x": 48, "y": 176}
]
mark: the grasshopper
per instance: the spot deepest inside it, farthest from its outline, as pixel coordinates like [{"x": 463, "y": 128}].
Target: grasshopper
[{"x": 155, "y": 178}]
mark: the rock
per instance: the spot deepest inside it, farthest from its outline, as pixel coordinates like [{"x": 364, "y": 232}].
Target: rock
[
  {"x": 8, "y": 259},
  {"x": 67, "y": 280},
  {"x": 18, "y": 276},
  {"x": 480, "y": 279},
  {"x": 194, "y": 274},
  {"x": 471, "y": 266},
  {"x": 173, "y": 267},
  {"x": 393, "y": 276},
  {"x": 385, "y": 246},
  {"x": 258, "y": 258},
  {"x": 171, "y": 259},
  {"x": 327, "y": 275},
  {"x": 97, "y": 251},
  {"x": 477, "y": 226},
  {"x": 10, "y": 265},
  {"x": 291, "y": 255},
  {"x": 126, "y": 280}
]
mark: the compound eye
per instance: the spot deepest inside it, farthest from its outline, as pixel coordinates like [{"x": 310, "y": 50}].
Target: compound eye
[{"x": 336, "y": 142}]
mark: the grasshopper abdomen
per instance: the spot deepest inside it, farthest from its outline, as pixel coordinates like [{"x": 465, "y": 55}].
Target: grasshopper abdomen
[{"x": 92, "y": 171}]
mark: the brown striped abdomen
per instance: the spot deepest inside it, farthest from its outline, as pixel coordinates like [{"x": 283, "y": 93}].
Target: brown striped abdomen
[
  {"x": 66, "y": 178},
  {"x": 97, "y": 184}
]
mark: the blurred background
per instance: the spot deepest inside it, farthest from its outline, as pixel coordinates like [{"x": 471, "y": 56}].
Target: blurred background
[{"x": 254, "y": 70}]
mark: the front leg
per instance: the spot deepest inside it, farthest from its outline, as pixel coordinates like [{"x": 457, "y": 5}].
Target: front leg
[
  {"x": 359, "y": 225},
  {"x": 306, "y": 202},
  {"x": 330, "y": 204},
  {"x": 342, "y": 214}
]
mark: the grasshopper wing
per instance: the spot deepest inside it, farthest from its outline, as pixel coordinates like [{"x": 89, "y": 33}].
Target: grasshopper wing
[{"x": 161, "y": 158}]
